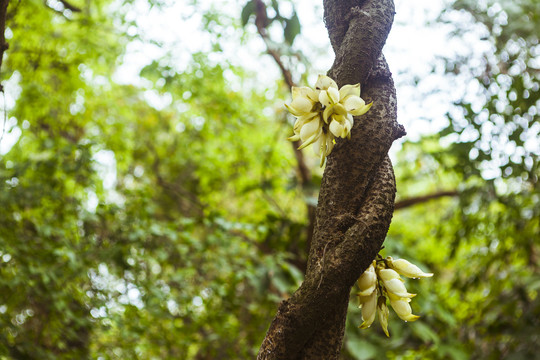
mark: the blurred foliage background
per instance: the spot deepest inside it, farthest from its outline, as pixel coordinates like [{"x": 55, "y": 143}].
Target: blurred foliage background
[{"x": 164, "y": 218}]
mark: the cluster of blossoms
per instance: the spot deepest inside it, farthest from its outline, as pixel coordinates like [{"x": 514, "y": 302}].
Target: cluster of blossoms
[
  {"x": 382, "y": 280},
  {"x": 325, "y": 113}
]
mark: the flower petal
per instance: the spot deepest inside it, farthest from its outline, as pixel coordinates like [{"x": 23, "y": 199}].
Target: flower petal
[
  {"x": 388, "y": 274},
  {"x": 311, "y": 139},
  {"x": 327, "y": 112},
  {"x": 323, "y": 157},
  {"x": 293, "y": 110},
  {"x": 302, "y": 91},
  {"x": 396, "y": 287},
  {"x": 368, "y": 278},
  {"x": 340, "y": 109},
  {"x": 324, "y": 98},
  {"x": 361, "y": 111},
  {"x": 394, "y": 297},
  {"x": 369, "y": 309},
  {"x": 407, "y": 269},
  {"x": 301, "y": 120},
  {"x": 333, "y": 93},
  {"x": 330, "y": 142},
  {"x": 317, "y": 145},
  {"x": 368, "y": 291},
  {"x": 403, "y": 310},
  {"x": 353, "y": 102},
  {"x": 295, "y": 137},
  {"x": 302, "y": 104},
  {"x": 383, "y": 314},
  {"x": 336, "y": 128},
  {"x": 309, "y": 128},
  {"x": 347, "y": 90},
  {"x": 324, "y": 82}
]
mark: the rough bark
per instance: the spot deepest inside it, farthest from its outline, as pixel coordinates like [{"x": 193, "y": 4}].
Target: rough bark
[{"x": 356, "y": 199}]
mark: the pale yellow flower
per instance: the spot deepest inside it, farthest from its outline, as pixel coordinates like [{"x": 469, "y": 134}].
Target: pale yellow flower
[
  {"x": 324, "y": 82},
  {"x": 388, "y": 274},
  {"x": 324, "y": 114},
  {"x": 396, "y": 287},
  {"x": 403, "y": 309},
  {"x": 406, "y": 268},
  {"x": 369, "y": 309},
  {"x": 382, "y": 280},
  {"x": 367, "y": 281},
  {"x": 383, "y": 314},
  {"x": 323, "y": 146}
]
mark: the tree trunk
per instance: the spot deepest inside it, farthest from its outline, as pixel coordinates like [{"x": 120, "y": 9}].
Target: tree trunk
[{"x": 356, "y": 199}]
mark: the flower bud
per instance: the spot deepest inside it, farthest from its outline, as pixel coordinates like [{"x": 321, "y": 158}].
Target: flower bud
[
  {"x": 403, "y": 309},
  {"x": 396, "y": 287},
  {"x": 336, "y": 128},
  {"x": 369, "y": 308},
  {"x": 383, "y": 314},
  {"x": 367, "y": 281},
  {"x": 388, "y": 274},
  {"x": 324, "y": 82},
  {"x": 407, "y": 269},
  {"x": 301, "y": 105}
]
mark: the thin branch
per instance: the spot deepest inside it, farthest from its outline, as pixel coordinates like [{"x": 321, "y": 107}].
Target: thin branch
[
  {"x": 62, "y": 11},
  {"x": 3, "y": 45},
  {"x": 69, "y": 6},
  {"x": 305, "y": 174},
  {"x": 303, "y": 170},
  {"x": 405, "y": 203}
]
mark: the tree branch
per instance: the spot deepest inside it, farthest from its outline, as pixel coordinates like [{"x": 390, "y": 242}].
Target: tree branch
[
  {"x": 69, "y": 6},
  {"x": 3, "y": 45},
  {"x": 302, "y": 168},
  {"x": 424, "y": 198},
  {"x": 260, "y": 22},
  {"x": 357, "y": 192}
]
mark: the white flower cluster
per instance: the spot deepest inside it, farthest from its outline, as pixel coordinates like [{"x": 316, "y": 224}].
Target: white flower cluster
[
  {"x": 381, "y": 280},
  {"x": 325, "y": 113}
]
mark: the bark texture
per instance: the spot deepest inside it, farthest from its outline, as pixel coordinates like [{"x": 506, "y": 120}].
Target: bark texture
[{"x": 356, "y": 200}]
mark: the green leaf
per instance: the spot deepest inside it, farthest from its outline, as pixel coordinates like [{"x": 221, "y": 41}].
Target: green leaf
[
  {"x": 361, "y": 349},
  {"x": 247, "y": 11},
  {"x": 424, "y": 332},
  {"x": 292, "y": 29}
]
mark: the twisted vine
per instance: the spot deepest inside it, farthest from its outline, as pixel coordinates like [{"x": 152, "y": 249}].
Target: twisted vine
[{"x": 356, "y": 200}]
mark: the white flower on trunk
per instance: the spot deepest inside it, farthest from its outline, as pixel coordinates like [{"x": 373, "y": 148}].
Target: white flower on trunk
[
  {"x": 332, "y": 109},
  {"x": 382, "y": 280}
]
